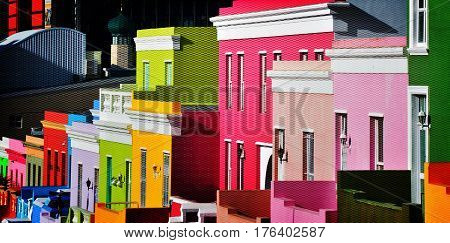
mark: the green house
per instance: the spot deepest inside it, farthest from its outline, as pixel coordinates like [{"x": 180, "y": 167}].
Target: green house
[
  {"x": 4, "y": 144},
  {"x": 429, "y": 92},
  {"x": 183, "y": 58}
]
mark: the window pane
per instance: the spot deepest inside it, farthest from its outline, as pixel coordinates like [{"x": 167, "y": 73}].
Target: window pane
[
  {"x": 168, "y": 73},
  {"x": 146, "y": 76},
  {"x": 421, "y": 30},
  {"x": 143, "y": 176},
  {"x": 421, "y": 3}
]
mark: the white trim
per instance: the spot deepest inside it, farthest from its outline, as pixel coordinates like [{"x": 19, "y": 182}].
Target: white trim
[
  {"x": 340, "y": 111},
  {"x": 240, "y": 142},
  {"x": 417, "y": 90},
  {"x": 262, "y": 52},
  {"x": 366, "y": 52},
  {"x": 79, "y": 163},
  {"x": 277, "y": 52},
  {"x": 418, "y": 51},
  {"x": 155, "y": 123},
  {"x": 166, "y": 152},
  {"x": 303, "y": 51},
  {"x": 299, "y": 74},
  {"x": 375, "y": 114},
  {"x": 261, "y": 144},
  {"x": 308, "y": 130},
  {"x": 414, "y": 48},
  {"x": 319, "y": 50},
  {"x": 301, "y": 86},
  {"x": 114, "y": 132},
  {"x": 167, "y": 61},
  {"x": 228, "y": 53},
  {"x": 308, "y": 19},
  {"x": 227, "y": 140},
  {"x": 279, "y": 127},
  {"x": 370, "y": 65},
  {"x": 240, "y": 53},
  {"x": 158, "y": 43}
]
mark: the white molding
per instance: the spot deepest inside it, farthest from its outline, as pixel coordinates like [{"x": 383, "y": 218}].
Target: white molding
[
  {"x": 366, "y": 52},
  {"x": 340, "y": 111},
  {"x": 166, "y": 152},
  {"x": 370, "y": 65},
  {"x": 155, "y": 123},
  {"x": 114, "y": 131},
  {"x": 83, "y": 141},
  {"x": 240, "y": 53},
  {"x": 168, "y": 61},
  {"x": 227, "y": 140},
  {"x": 277, "y": 52},
  {"x": 302, "y": 86},
  {"x": 262, "y": 52},
  {"x": 308, "y": 130},
  {"x": 261, "y": 144},
  {"x": 298, "y": 74},
  {"x": 319, "y": 50},
  {"x": 228, "y": 53},
  {"x": 309, "y": 19},
  {"x": 154, "y": 43},
  {"x": 279, "y": 127},
  {"x": 376, "y": 114},
  {"x": 417, "y": 90},
  {"x": 303, "y": 51},
  {"x": 418, "y": 51},
  {"x": 415, "y": 49},
  {"x": 240, "y": 142}
]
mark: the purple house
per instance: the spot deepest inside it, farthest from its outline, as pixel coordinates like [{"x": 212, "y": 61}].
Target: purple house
[{"x": 85, "y": 170}]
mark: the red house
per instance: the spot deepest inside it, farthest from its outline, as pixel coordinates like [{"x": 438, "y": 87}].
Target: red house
[
  {"x": 24, "y": 15},
  {"x": 55, "y": 149}
]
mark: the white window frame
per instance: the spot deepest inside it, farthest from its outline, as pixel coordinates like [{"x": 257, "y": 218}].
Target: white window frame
[
  {"x": 240, "y": 145},
  {"x": 309, "y": 137},
  {"x": 145, "y": 86},
  {"x": 319, "y": 54},
  {"x": 241, "y": 82},
  {"x": 229, "y": 79},
  {"x": 416, "y": 47},
  {"x": 281, "y": 135},
  {"x": 228, "y": 152},
  {"x": 168, "y": 75},
  {"x": 377, "y": 142},
  {"x": 343, "y": 122},
  {"x": 263, "y": 74},
  {"x": 277, "y": 56}
]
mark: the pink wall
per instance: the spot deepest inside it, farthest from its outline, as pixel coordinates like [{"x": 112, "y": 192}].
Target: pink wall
[
  {"x": 303, "y": 202},
  {"x": 250, "y": 125},
  {"x": 295, "y": 112},
  {"x": 246, "y": 6},
  {"x": 361, "y": 94},
  {"x": 17, "y": 162}
]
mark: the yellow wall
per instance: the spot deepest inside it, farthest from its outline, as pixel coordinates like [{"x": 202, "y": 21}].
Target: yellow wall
[
  {"x": 157, "y": 107},
  {"x": 156, "y": 145}
]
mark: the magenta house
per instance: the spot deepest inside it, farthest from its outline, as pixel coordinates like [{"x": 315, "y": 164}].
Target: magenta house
[
  {"x": 17, "y": 163},
  {"x": 85, "y": 166}
]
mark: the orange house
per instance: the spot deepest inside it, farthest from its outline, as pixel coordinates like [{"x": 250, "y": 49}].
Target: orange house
[{"x": 437, "y": 192}]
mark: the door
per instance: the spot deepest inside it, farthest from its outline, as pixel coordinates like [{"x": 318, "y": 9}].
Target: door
[
  {"x": 265, "y": 163},
  {"x": 419, "y": 151}
]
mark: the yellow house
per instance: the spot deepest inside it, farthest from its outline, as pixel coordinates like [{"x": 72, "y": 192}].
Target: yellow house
[{"x": 153, "y": 125}]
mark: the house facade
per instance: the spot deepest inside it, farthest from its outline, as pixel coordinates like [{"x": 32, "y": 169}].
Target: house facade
[
  {"x": 34, "y": 147},
  {"x": 4, "y": 144},
  {"x": 428, "y": 135},
  {"x": 17, "y": 163}
]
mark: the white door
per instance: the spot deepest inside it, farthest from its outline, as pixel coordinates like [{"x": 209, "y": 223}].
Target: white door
[
  {"x": 419, "y": 150},
  {"x": 265, "y": 163}
]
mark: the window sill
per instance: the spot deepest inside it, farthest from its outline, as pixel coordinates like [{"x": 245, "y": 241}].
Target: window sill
[{"x": 418, "y": 51}]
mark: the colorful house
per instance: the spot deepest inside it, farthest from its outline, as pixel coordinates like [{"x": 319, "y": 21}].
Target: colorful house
[
  {"x": 34, "y": 147},
  {"x": 17, "y": 163},
  {"x": 428, "y": 138},
  {"x": 304, "y": 187},
  {"x": 85, "y": 167},
  {"x": 4, "y": 144},
  {"x": 115, "y": 152}
]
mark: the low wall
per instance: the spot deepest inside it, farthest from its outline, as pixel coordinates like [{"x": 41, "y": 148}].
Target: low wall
[
  {"x": 243, "y": 206},
  {"x": 437, "y": 192}
]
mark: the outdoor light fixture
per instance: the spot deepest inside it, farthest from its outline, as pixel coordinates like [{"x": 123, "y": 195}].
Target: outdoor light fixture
[
  {"x": 156, "y": 171},
  {"x": 283, "y": 155},
  {"x": 89, "y": 187},
  {"x": 117, "y": 181},
  {"x": 241, "y": 152},
  {"x": 424, "y": 120}
]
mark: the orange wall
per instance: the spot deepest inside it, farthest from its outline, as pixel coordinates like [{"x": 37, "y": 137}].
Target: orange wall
[{"x": 437, "y": 192}]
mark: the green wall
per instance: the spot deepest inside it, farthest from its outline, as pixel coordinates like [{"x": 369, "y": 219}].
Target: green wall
[
  {"x": 195, "y": 66},
  {"x": 434, "y": 71},
  {"x": 4, "y": 164},
  {"x": 119, "y": 153}
]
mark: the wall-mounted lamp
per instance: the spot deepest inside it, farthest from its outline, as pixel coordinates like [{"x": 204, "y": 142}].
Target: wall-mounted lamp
[
  {"x": 117, "y": 181},
  {"x": 283, "y": 154},
  {"x": 156, "y": 171},
  {"x": 241, "y": 152},
  {"x": 424, "y": 120}
]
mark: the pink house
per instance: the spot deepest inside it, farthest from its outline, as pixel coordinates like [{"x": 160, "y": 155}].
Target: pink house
[
  {"x": 17, "y": 163},
  {"x": 370, "y": 80}
]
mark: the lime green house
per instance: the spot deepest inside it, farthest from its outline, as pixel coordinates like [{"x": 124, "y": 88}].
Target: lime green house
[
  {"x": 4, "y": 144},
  {"x": 184, "y": 59}
]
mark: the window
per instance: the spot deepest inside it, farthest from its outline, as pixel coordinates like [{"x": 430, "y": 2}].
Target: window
[
  {"x": 228, "y": 165},
  {"x": 280, "y": 143},
  {"x": 79, "y": 185},
  {"x": 96, "y": 178},
  {"x": 49, "y": 165},
  {"x": 263, "y": 74},
  {"x": 303, "y": 55},
  {"x": 17, "y": 178},
  {"x": 376, "y": 134},
  {"x": 166, "y": 171},
  {"x": 143, "y": 176},
  {"x": 39, "y": 176},
  {"x": 16, "y": 121},
  {"x": 169, "y": 73},
  {"x": 319, "y": 55},
  {"x": 308, "y": 156},
  {"x": 55, "y": 169},
  {"x": 277, "y": 55},
  {"x": 343, "y": 139},
  {"x": 241, "y": 159},
  {"x": 21, "y": 179},
  {"x": 421, "y": 22},
  {"x": 128, "y": 182},
  {"x": 108, "y": 180},
  {"x": 229, "y": 81},
  {"x": 241, "y": 82},
  {"x": 146, "y": 83},
  {"x": 63, "y": 169},
  {"x": 34, "y": 175},
  {"x": 29, "y": 174}
]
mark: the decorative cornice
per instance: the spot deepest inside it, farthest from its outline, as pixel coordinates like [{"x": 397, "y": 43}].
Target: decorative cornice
[
  {"x": 53, "y": 125},
  {"x": 155, "y": 123},
  {"x": 366, "y": 52},
  {"x": 158, "y": 43},
  {"x": 299, "y": 74},
  {"x": 281, "y": 22}
]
